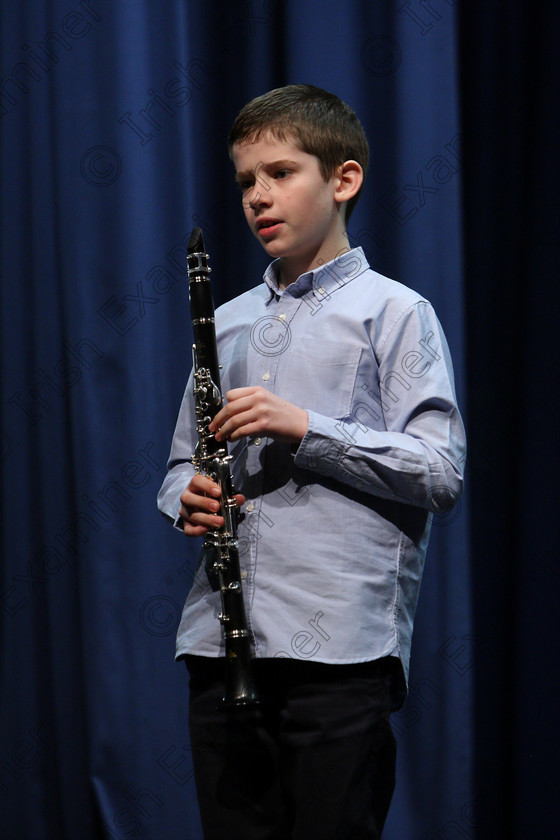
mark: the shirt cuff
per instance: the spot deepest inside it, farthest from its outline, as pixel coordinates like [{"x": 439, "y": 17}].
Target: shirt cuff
[{"x": 320, "y": 450}]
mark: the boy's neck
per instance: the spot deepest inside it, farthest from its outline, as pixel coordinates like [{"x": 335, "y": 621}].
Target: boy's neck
[{"x": 290, "y": 269}]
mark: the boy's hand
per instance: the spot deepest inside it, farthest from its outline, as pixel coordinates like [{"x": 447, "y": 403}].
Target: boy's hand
[
  {"x": 255, "y": 411},
  {"x": 199, "y": 506}
]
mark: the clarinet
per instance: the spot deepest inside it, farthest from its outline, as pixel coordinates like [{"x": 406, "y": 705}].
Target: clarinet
[{"x": 220, "y": 554}]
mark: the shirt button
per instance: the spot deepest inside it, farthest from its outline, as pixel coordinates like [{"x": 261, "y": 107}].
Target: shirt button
[
  {"x": 243, "y": 575},
  {"x": 257, "y": 441},
  {"x": 282, "y": 317},
  {"x": 321, "y": 290},
  {"x": 266, "y": 376},
  {"x": 250, "y": 507}
]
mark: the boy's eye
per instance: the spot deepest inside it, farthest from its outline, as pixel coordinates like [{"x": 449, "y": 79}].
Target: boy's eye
[
  {"x": 281, "y": 173},
  {"x": 244, "y": 185}
]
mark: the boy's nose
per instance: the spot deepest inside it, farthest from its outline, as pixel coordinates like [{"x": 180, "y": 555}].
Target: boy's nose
[{"x": 261, "y": 199}]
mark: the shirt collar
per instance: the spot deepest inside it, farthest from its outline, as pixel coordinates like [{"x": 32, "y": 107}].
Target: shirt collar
[{"x": 320, "y": 281}]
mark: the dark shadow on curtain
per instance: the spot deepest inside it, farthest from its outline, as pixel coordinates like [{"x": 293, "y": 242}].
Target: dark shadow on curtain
[{"x": 510, "y": 88}]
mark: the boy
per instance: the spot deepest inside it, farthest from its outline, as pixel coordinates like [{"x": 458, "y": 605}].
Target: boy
[{"x": 345, "y": 434}]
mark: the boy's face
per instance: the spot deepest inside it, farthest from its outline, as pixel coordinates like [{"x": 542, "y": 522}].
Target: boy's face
[{"x": 290, "y": 208}]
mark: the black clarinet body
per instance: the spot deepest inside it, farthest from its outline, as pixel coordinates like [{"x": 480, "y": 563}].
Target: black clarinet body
[{"x": 220, "y": 553}]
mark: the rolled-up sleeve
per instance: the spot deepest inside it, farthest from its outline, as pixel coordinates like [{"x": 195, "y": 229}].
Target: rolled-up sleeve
[
  {"x": 179, "y": 467},
  {"x": 418, "y": 456}
]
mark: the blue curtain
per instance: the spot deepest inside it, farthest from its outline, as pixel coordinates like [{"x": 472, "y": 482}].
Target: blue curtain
[
  {"x": 511, "y": 84},
  {"x": 113, "y": 120}
]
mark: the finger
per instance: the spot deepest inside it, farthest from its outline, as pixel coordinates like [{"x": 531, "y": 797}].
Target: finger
[
  {"x": 243, "y": 402},
  {"x": 199, "y": 488},
  {"x": 250, "y": 429},
  {"x": 203, "y": 485},
  {"x": 221, "y": 418},
  {"x": 195, "y": 530},
  {"x": 198, "y": 522},
  {"x": 192, "y": 504},
  {"x": 238, "y": 393},
  {"x": 239, "y": 425}
]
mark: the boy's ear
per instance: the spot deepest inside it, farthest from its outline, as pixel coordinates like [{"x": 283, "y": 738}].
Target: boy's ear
[{"x": 350, "y": 177}]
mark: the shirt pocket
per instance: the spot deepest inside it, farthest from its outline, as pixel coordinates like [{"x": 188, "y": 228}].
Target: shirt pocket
[{"x": 322, "y": 375}]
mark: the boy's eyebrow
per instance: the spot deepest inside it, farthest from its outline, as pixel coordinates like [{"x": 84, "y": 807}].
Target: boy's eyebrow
[{"x": 275, "y": 164}]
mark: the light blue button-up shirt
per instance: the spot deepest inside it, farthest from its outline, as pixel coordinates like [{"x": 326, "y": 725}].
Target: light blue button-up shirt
[{"x": 335, "y": 532}]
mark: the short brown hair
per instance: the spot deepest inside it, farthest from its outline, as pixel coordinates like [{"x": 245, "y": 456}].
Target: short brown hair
[{"x": 320, "y": 123}]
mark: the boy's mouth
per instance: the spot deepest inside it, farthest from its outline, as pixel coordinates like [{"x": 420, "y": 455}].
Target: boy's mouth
[{"x": 268, "y": 227}]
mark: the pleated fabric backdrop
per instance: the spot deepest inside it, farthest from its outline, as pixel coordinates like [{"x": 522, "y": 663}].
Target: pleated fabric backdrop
[{"x": 113, "y": 119}]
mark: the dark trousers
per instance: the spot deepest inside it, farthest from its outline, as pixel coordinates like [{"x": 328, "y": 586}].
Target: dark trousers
[{"x": 315, "y": 761}]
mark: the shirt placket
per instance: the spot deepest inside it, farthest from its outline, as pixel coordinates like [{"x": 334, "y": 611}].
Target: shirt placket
[{"x": 267, "y": 359}]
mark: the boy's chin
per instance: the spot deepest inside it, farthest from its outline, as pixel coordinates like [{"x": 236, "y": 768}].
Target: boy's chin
[{"x": 273, "y": 249}]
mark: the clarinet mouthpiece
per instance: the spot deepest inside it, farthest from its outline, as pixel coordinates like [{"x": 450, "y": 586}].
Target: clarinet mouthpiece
[{"x": 196, "y": 242}]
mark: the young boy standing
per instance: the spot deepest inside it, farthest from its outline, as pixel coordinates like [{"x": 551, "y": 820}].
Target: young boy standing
[{"x": 345, "y": 435}]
